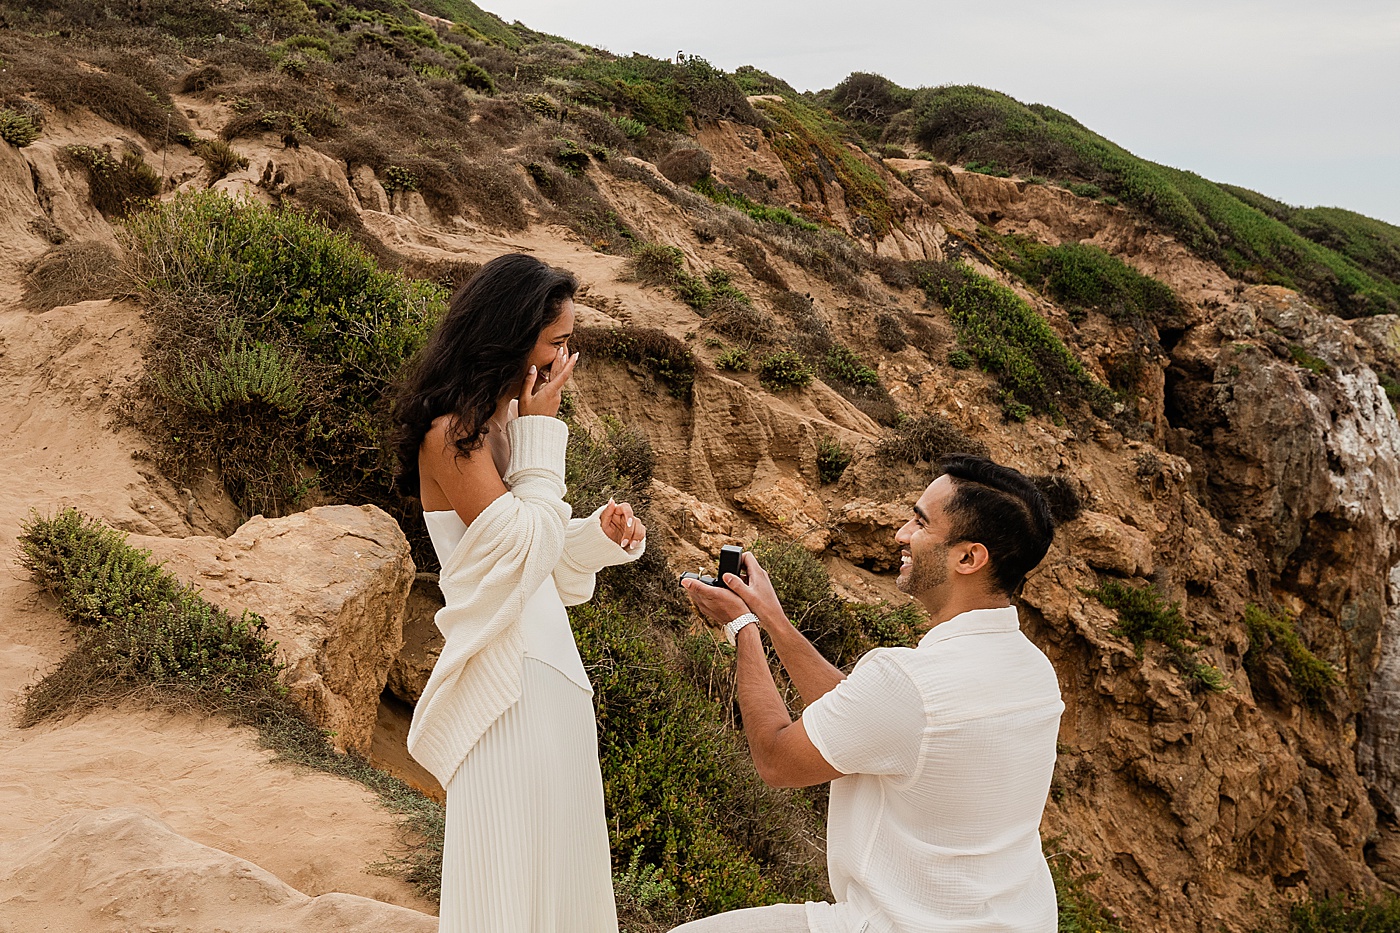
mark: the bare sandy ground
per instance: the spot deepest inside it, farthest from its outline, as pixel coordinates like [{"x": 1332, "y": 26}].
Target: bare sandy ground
[{"x": 61, "y": 374}]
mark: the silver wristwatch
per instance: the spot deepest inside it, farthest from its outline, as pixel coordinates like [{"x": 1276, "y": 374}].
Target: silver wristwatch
[{"x": 731, "y": 630}]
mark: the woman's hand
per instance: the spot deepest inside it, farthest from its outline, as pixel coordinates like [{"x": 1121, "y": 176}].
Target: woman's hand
[
  {"x": 542, "y": 396},
  {"x": 758, "y": 594},
  {"x": 621, "y": 525}
]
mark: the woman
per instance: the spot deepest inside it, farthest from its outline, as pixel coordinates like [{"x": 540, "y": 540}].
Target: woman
[{"x": 506, "y": 720}]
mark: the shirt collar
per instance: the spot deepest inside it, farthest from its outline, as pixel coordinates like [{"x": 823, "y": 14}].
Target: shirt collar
[{"x": 975, "y": 622}]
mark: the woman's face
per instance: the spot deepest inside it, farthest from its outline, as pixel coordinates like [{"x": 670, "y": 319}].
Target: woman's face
[{"x": 555, "y": 335}]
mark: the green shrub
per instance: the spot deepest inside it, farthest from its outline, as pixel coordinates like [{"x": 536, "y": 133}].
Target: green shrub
[
  {"x": 475, "y": 77},
  {"x": 1079, "y": 910},
  {"x": 656, "y": 263},
  {"x": 17, "y": 129},
  {"x": 140, "y": 629},
  {"x": 961, "y": 359},
  {"x": 812, "y": 147},
  {"x": 398, "y": 178},
  {"x": 1346, "y": 915},
  {"x": 1143, "y": 614},
  {"x": 926, "y": 439},
  {"x": 1084, "y": 189},
  {"x": 1391, "y": 387},
  {"x": 842, "y": 364},
  {"x": 667, "y": 358},
  {"x": 1036, "y": 370},
  {"x": 138, "y": 625},
  {"x": 227, "y": 281},
  {"x": 1080, "y": 276},
  {"x": 761, "y": 212},
  {"x": 117, "y": 186},
  {"x": 1313, "y": 678},
  {"x": 842, "y": 631},
  {"x": 632, "y": 129},
  {"x": 782, "y": 370},
  {"x": 220, "y": 158},
  {"x": 987, "y": 168},
  {"x": 832, "y": 460},
  {"x": 735, "y": 359}
]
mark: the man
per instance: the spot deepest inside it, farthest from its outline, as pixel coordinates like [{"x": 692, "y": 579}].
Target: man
[{"x": 940, "y": 756}]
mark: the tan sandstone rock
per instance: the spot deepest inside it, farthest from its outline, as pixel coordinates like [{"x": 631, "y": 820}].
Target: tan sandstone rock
[
  {"x": 118, "y": 870},
  {"x": 331, "y": 583}
]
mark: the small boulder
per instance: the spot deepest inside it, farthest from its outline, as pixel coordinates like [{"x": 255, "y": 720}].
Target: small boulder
[
  {"x": 685, "y": 166},
  {"x": 331, "y": 584}
]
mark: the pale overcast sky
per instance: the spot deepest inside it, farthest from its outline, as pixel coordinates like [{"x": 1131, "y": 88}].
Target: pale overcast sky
[{"x": 1298, "y": 99}]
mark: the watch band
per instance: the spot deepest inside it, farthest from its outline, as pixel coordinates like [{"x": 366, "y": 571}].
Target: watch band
[{"x": 732, "y": 629}]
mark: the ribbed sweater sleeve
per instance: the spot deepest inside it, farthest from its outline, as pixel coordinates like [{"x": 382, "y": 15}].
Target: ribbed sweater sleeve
[
  {"x": 506, "y": 553},
  {"x": 587, "y": 550}
]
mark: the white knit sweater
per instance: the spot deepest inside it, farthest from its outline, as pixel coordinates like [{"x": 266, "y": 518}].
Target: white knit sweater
[{"x": 518, "y": 541}]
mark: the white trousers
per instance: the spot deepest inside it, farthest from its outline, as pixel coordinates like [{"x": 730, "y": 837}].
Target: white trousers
[{"x": 778, "y": 918}]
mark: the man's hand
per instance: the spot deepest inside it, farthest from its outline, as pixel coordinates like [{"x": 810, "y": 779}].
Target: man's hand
[
  {"x": 621, "y": 525},
  {"x": 758, "y": 593},
  {"x": 718, "y": 606}
]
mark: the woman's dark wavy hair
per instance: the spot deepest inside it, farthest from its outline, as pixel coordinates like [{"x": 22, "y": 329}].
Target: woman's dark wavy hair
[{"x": 475, "y": 354}]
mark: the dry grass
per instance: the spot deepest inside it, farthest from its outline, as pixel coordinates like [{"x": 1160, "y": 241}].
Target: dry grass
[{"x": 73, "y": 272}]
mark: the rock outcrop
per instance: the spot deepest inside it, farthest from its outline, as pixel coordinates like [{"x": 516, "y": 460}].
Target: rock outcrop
[
  {"x": 136, "y": 873},
  {"x": 331, "y": 584}
]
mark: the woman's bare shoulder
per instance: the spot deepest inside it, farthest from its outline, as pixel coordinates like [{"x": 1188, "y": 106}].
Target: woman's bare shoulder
[{"x": 466, "y": 483}]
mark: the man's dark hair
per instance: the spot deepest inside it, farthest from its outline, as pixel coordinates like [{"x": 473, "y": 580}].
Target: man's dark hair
[{"x": 1001, "y": 509}]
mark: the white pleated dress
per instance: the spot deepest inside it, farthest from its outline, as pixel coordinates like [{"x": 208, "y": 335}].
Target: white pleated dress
[{"x": 526, "y": 848}]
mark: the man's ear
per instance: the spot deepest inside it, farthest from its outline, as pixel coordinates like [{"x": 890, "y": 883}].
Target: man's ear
[{"x": 972, "y": 558}]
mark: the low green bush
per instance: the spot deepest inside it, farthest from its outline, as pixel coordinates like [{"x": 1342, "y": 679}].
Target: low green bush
[
  {"x": 118, "y": 186},
  {"x": 832, "y": 460},
  {"x": 17, "y": 129},
  {"x": 1079, "y": 910},
  {"x": 1312, "y": 677},
  {"x": 294, "y": 331},
  {"x": 1143, "y": 614},
  {"x": 987, "y": 168},
  {"x": 1036, "y": 370},
  {"x": 843, "y": 631},
  {"x": 842, "y": 364},
  {"x": 783, "y": 370},
  {"x": 1081, "y": 277},
  {"x": 139, "y": 630},
  {"x": 220, "y": 158},
  {"x": 721, "y": 194},
  {"x": 734, "y": 359},
  {"x": 1346, "y": 915},
  {"x": 667, "y": 358}
]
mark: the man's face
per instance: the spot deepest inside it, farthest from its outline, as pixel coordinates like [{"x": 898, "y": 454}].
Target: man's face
[{"x": 924, "y": 573}]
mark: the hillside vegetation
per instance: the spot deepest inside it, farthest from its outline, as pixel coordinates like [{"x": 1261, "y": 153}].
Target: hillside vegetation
[
  {"x": 1344, "y": 260},
  {"x": 280, "y": 323}
]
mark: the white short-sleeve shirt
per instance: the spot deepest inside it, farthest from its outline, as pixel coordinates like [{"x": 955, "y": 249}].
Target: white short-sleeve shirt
[{"x": 947, "y": 751}]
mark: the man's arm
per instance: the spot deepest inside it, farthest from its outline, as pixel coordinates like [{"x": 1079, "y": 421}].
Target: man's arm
[
  {"x": 812, "y": 674},
  {"x": 781, "y": 750}
]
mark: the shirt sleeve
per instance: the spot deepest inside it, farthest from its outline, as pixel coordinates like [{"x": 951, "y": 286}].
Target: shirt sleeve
[{"x": 872, "y": 722}]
